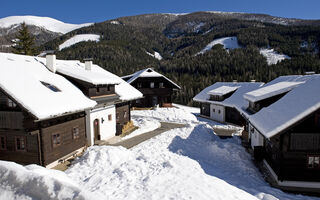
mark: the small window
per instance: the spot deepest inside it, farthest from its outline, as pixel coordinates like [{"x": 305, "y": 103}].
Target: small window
[
  {"x": 213, "y": 110},
  {"x": 56, "y": 140},
  {"x": 11, "y": 104},
  {"x": 138, "y": 101},
  {"x": 125, "y": 114},
  {"x": 98, "y": 89},
  {"x": 3, "y": 143},
  {"x": 152, "y": 85},
  {"x": 110, "y": 117},
  {"x": 161, "y": 85},
  {"x": 75, "y": 133},
  {"x": 219, "y": 111},
  {"x": 139, "y": 85},
  {"x": 108, "y": 88},
  {"x": 313, "y": 161},
  {"x": 20, "y": 143},
  {"x": 51, "y": 87}
]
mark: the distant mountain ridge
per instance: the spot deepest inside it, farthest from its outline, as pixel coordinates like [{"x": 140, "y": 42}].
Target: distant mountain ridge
[{"x": 44, "y": 28}]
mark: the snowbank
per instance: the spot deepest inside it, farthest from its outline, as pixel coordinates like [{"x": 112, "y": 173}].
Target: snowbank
[
  {"x": 144, "y": 124},
  {"x": 35, "y": 182},
  {"x": 272, "y": 56},
  {"x": 79, "y": 38},
  {"x": 227, "y": 42},
  {"x": 167, "y": 115},
  {"x": 45, "y": 22}
]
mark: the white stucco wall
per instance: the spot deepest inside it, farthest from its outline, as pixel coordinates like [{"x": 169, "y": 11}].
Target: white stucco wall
[
  {"x": 214, "y": 113},
  {"x": 256, "y": 138},
  {"x": 107, "y": 128}
]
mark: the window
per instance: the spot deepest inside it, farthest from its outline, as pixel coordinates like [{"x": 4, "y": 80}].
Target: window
[
  {"x": 75, "y": 133},
  {"x": 161, "y": 85},
  {"x": 125, "y": 114},
  {"x": 313, "y": 161},
  {"x": 213, "y": 110},
  {"x": 20, "y": 143},
  {"x": 11, "y": 104},
  {"x": 152, "y": 85},
  {"x": 219, "y": 111},
  {"x": 56, "y": 140},
  {"x": 139, "y": 85},
  {"x": 51, "y": 87},
  {"x": 98, "y": 89},
  {"x": 108, "y": 88},
  {"x": 138, "y": 101},
  {"x": 110, "y": 117},
  {"x": 3, "y": 143}
]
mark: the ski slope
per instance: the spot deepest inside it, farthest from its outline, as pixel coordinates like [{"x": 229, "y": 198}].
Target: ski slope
[{"x": 79, "y": 38}]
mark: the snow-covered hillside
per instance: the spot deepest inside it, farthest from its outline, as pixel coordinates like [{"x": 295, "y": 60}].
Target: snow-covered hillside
[
  {"x": 44, "y": 22},
  {"x": 272, "y": 56},
  {"x": 184, "y": 163},
  {"x": 79, "y": 38},
  {"x": 156, "y": 55},
  {"x": 227, "y": 42}
]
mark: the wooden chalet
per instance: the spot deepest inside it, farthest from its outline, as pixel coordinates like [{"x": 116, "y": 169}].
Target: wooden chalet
[
  {"x": 156, "y": 88},
  {"x": 111, "y": 116},
  {"x": 284, "y": 127},
  {"x": 222, "y": 101},
  {"x": 40, "y": 123}
]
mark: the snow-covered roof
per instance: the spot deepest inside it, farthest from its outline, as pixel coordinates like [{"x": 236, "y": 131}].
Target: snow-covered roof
[
  {"x": 271, "y": 90},
  {"x": 223, "y": 90},
  {"x": 294, "y": 106},
  {"x": 76, "y": 69},
  {"x": 235, "y": 100},
  {"x": 148, "y": 72},
  {"x": 24, "y": 78},
  {"x": 97, "y": 75}
]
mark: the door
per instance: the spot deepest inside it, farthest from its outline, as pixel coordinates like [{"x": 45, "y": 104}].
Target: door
[
  {"x": 96, "y": 129},
  {"x": 154, "y": 100}
]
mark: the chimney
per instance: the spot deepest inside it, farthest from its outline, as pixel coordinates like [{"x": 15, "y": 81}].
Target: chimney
[
  {"x": 51, "y": 61},
  {"x": 88, "y": 63}
]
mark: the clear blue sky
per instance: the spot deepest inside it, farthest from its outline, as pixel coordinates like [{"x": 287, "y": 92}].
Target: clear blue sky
[{"x": 81, "y": 11}]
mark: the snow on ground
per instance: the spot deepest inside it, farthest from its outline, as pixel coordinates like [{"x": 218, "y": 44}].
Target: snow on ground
[
  {"x": 45, "y": 22},
  {"x": 79, "y": 38},
  {"x": 114, "y": 22},
  {"x": 184, "y": 163},
  {"x": 156, "y": 55},
  {"x": 167, "y": 115},
  {"x": 227, "y": 42},
  {"x": 144, "y": 125},
  {"x": 35, "y": 182},
  {"x": 272, "y": 56}
]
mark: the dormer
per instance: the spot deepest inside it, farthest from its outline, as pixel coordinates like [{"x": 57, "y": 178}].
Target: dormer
[
  {"x": 221, "y": 93},
  {"x": 268, "y": 95}
]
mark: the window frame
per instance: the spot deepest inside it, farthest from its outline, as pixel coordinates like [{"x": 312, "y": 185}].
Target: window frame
[
  {"x": 11, "y": 103},
  {"x": 54, "y": 145},
  {"x": 110, "y": 117},
  {"x": 16, "y": 143},
  {"x": 75, "y": 133},
  {"x": 161, "y": 85},
  {"x": 4, "y": 139},
  {"x": 152, "y": 84},
  {"x": 312, "y": 165}
]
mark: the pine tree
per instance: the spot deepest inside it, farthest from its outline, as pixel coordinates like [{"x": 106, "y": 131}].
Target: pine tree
[{"x": 25, "y": 42}]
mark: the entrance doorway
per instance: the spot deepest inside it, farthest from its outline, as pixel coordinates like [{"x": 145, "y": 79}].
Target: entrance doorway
[
  {"x": 96, "y": 129},
  {"x": 154, "y": 100}
]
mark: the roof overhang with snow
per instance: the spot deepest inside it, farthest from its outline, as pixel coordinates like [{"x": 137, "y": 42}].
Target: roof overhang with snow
[
  {"x": 270, "y": 91},
  {"x": 223, "y": 90},
  {"x": 148, "y": 72},
  {"x": 44, "y": 94}
]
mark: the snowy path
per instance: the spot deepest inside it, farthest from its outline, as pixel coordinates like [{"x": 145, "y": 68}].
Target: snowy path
[{"x": 129, "y": 143}]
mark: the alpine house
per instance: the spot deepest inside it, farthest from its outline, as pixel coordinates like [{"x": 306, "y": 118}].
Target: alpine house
[
  {"x": 42, "y": 114},
  {"x": 223, "y": 101},
  {"x": 284, "y": 130},
  {"x": 156, "y": 88}
]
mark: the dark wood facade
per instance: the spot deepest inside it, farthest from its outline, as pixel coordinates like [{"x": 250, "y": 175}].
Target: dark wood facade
[
  {"x": 256, "y": 106},
  {"x": 27, "y": 141},
  {"x": 205, "y": 109},
  {"x": 294, "y": 154},
  {"x": 123, "y": 115},
  {"x": 233, "y": 116},
  {"x": 156, "y": 90}
]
